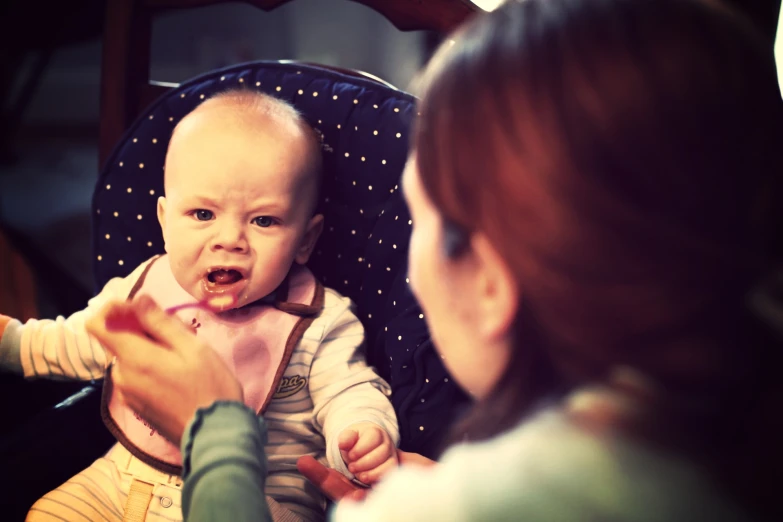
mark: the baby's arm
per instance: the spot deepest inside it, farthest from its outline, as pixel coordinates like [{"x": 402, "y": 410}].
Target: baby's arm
[
  {"x": 347, "y": 394},
  {"x": 59, "y": 348}
]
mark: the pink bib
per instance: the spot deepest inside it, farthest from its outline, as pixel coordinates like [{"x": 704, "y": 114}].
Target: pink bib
[{"x": 255, "y": 342}]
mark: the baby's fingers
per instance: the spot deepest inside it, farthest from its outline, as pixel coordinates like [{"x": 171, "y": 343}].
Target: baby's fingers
[
  {"x": 368, "y": 441},
  {"x": 374, "y": 475},
  {"x": 347, "y": 439},
  {"x": 373, "y": 459}
]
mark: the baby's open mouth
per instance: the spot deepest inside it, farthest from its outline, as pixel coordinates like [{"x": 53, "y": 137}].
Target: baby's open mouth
[
  {"x": 223, "y": 276},
  {"x": 225, "y": 282}
]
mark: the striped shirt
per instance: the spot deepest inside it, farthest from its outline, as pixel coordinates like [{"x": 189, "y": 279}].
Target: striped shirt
[{"x": 327, "y": 385}]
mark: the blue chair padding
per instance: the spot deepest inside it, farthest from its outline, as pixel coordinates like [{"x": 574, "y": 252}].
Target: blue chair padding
[{"x": 362, "y": 252}]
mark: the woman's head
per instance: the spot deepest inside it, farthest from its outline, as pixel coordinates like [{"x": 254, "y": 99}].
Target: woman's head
[{"x": 602, "y": 169}]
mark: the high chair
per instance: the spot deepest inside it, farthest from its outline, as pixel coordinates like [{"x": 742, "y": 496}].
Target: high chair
[{"x": 365, "y": 123}]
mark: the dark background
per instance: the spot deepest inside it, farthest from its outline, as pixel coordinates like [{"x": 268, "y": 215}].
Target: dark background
[{"x": 50, "y": 56}]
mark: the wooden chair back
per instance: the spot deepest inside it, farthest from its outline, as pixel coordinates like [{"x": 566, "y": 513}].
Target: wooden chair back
[{"x": 126, "y": 86}]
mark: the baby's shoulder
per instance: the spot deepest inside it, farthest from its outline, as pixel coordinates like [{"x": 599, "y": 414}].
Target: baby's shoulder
[
  {"x": 122, "y": 286},
  {"x": 336, "y": 303},
  {"x": 336, "y": 318}
]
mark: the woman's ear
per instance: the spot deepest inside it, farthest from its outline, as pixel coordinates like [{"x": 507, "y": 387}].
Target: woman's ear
[
  {"x": 313, "y": 232},
  {"x": 497, "y": 291}
]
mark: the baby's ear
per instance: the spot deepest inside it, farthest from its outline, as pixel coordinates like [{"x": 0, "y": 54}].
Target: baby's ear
[
  {"x": 310, "y": 238},
  {"x": 162, "y": 216}
]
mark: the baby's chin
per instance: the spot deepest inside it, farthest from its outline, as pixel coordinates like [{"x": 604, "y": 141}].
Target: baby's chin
[
  {"x": 224, "y": 296},
  {"x": 241, "y": 293}
]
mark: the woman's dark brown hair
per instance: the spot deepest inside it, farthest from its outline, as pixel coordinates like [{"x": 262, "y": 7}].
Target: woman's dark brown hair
[{"x": 623, "y": 156}]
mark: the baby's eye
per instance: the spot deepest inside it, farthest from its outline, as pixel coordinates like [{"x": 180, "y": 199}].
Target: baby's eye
[
  {"x": 203, "y": 215},
  {"x": 264, "y": 221}
]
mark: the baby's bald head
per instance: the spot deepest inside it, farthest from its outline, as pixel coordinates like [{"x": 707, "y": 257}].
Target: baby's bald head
[{"x": 270, "y": 119}]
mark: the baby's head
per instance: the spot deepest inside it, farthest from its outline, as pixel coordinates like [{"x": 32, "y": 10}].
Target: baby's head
[{"x": 242, "y": 176}]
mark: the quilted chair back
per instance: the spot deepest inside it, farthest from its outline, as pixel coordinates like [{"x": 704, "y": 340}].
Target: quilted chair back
[{"x": 362, "y": 252}]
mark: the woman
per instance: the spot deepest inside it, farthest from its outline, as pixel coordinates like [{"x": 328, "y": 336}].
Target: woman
[{"x": 592, "y": 186}]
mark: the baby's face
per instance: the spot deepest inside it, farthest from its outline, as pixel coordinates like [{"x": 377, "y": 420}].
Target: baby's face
[{"x": 237, "y": 210}]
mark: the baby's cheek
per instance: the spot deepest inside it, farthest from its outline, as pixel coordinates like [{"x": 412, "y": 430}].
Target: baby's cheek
[{"x": 183, "y": 267}]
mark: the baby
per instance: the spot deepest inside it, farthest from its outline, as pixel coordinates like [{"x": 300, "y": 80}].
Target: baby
[{"x": 238, "y": 219}]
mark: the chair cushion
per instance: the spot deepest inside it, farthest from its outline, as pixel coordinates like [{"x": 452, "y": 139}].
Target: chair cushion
[{"x": 362, "y": 252}]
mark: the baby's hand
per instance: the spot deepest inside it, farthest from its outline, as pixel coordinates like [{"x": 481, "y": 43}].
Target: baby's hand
[{"x": 367, "y": 450}]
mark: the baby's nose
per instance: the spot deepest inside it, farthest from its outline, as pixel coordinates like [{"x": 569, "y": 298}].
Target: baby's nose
[{"x": 231, "y": 238}]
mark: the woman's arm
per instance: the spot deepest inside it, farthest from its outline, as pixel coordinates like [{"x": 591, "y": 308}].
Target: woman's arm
[{"x": 224, "y": 466}]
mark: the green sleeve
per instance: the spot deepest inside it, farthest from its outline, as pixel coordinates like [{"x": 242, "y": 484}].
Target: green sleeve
[{"x": 224, "y": 465}]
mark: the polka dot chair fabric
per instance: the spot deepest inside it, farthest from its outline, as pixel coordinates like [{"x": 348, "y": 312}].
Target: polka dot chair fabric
[{"x": 362, "y": 252}]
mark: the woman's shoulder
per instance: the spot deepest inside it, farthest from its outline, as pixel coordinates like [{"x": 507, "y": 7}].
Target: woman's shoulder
[{"x": 551, "y": 468}]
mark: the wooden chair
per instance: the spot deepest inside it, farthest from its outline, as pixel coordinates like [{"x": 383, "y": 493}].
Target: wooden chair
[{"x": 126, "y": 86}]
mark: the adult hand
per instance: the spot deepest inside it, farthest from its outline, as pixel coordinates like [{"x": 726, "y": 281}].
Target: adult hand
[
  {"x": 162, "y": 370},
  {"x": 337, "y": 487},
  {"x": 413, "y": 459},
  {"x": 331, "y": 482}
]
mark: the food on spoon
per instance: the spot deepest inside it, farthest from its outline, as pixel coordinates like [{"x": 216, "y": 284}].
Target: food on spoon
[{"x": 221, "y": 302}]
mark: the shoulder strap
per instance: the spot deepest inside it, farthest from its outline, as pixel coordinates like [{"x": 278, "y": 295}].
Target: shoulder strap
[
  {"x": 140, "y": 281},
  {"x": 302, "y": 310},
  {"x": 297, "y": 332}
]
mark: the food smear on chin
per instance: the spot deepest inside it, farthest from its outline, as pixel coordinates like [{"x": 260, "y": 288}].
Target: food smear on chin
[
  {"x": 222, "y": 301},
  {"x": 222, "y": 287}
]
